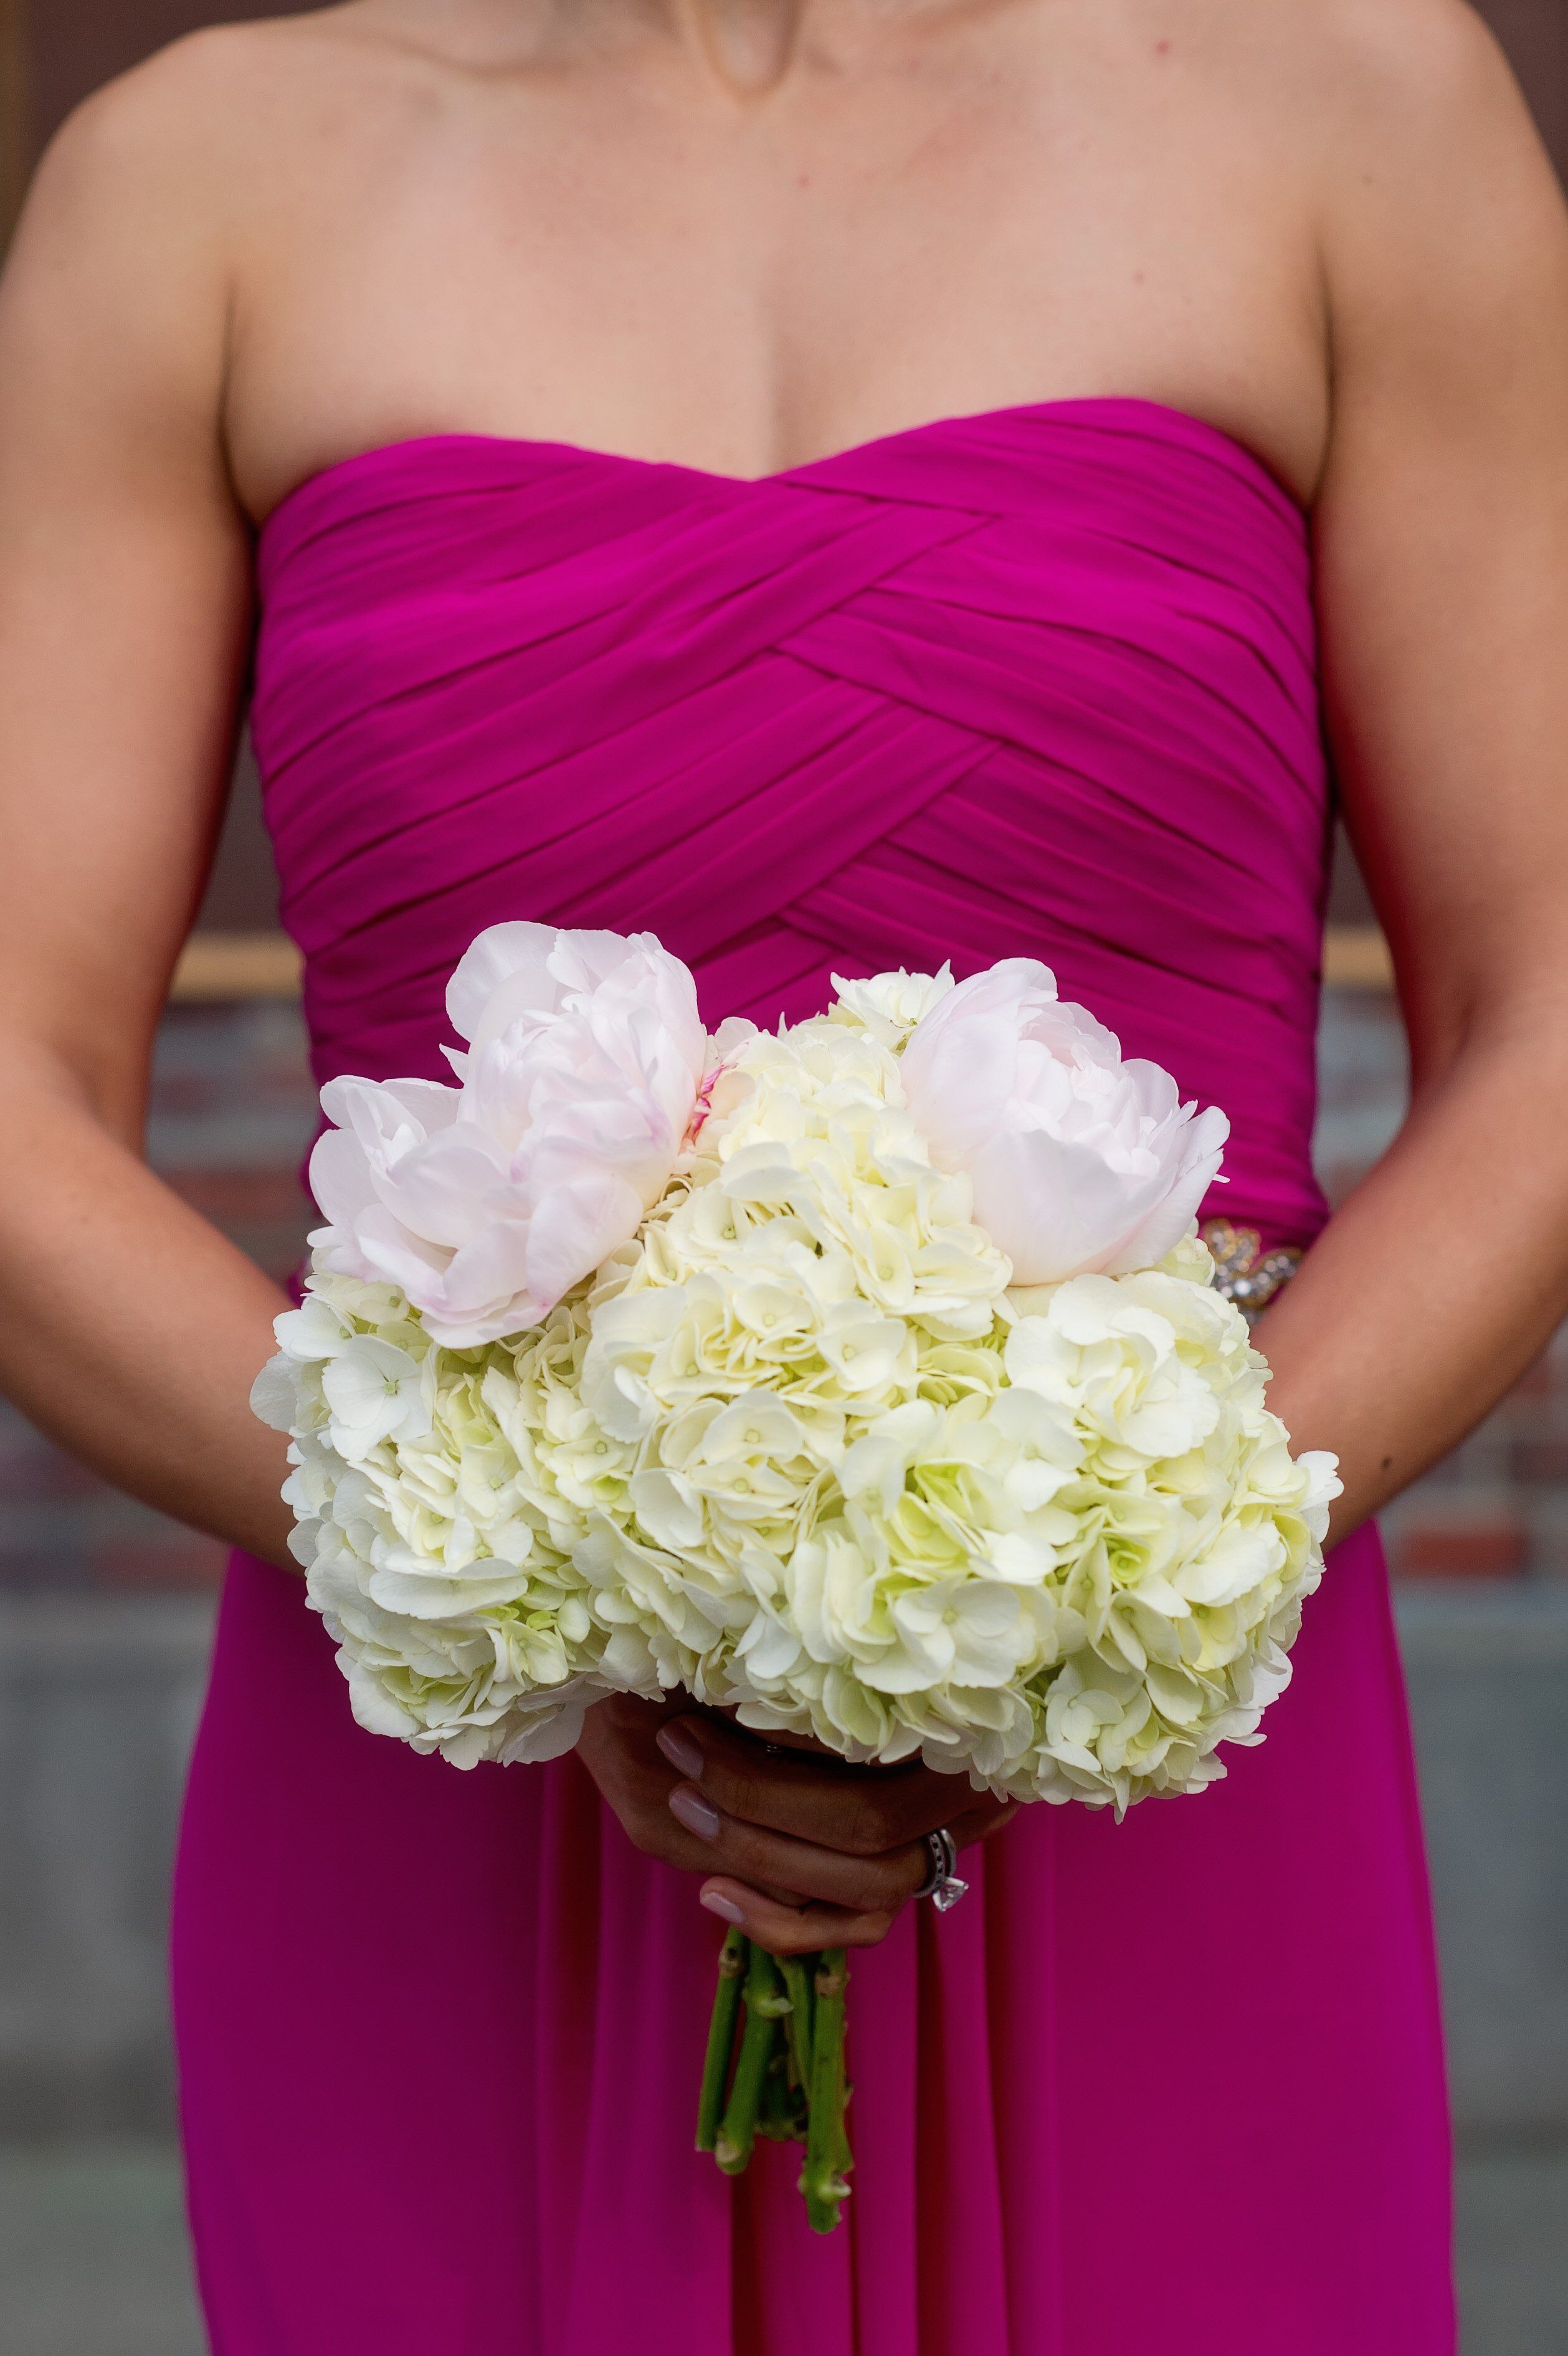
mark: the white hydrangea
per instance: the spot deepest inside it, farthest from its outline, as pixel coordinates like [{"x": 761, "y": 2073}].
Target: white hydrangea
[
  {"x": 890, "y": 1004},
  {"x": 440, "y": 1498},
  {"x": 1054, "y": 1538},
  {"x": 801, "y": 1450}
]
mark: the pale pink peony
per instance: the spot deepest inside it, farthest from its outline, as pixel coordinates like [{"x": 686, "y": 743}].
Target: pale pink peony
[
  {"x": 1081, "y": 1163},
  {"x": 487, "y": 1202}
]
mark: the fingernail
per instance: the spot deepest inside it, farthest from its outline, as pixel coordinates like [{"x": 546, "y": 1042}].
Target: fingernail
[
  {"x": 698, "y": 1816},
  {"x": 681, "y": 1748},
  {"x": 724, "y": 1908}
]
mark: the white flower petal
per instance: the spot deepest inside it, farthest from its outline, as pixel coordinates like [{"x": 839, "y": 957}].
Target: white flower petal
[{"x": 1077, "y": 1160}]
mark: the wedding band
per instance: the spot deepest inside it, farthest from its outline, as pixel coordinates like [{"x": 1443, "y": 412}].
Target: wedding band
[{"x": 942, "y": 1884}]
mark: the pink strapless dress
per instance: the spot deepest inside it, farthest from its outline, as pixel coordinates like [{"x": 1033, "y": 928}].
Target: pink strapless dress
[{"x": 1034, "y": 684}]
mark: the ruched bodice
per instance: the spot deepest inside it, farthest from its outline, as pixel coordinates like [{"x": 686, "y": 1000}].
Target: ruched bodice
[{"x": 1037, "y": 683}]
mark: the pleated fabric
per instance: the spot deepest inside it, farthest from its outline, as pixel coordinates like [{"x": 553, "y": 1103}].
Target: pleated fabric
[{"x": 1037, "y": 683}]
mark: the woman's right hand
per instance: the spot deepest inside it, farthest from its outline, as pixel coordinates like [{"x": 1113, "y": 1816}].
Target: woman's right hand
[{"x": 800, "y": 1849}]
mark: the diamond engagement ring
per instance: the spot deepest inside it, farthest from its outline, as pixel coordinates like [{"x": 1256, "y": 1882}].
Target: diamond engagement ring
[{"x": 942, "y": 1883}]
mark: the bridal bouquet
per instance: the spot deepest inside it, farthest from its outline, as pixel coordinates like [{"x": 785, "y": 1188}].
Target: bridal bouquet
[{"x": 864, "y": 1378}]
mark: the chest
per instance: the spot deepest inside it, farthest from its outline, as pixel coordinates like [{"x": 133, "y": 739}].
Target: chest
[{"x": 611, "y": 257}]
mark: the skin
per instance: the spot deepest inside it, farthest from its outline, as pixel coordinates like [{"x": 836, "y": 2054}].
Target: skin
[{"x": 739, "y": 236}]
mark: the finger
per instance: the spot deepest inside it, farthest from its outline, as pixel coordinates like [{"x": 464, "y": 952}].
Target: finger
[
  {"x": 860, "y": 1810},
  {"x": 654, "y": 1830},
  {"x": 636, "y": 1780},
  {"x": 792, "y": 1929},
  {"x": 833, "y": 1877},
  {"x": 981, "y": 1823},
  {"x": 633, "y": 1719}
]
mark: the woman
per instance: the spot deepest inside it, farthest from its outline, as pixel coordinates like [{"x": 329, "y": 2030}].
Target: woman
[{"x": 833, "y": 482}]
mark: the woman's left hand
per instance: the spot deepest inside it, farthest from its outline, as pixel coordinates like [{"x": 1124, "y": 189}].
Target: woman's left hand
[{"x": 809, "y": 1852}]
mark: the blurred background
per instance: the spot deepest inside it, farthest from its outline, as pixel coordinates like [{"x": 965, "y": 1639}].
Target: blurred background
[{"x": 106, "y": 1608}]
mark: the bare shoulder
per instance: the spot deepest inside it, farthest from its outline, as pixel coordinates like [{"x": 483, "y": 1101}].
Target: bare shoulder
[
  {"x": 1416, "y": 126},
  {"x": 1440, "y": 223},
  {"x": 152, "y": 195},
  {"x": 115, "y": 301},
  {"x": 1351, "y": 87},
  {"x": 1407, "y": 102},
  {"x": 196, "y": 119},
  {"x": 1377, "y": 51},
  {"x": 1395, "y": 64},
  {"x": 197, "y": 140}
]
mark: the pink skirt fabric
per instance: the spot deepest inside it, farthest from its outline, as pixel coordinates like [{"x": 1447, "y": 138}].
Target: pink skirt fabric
[{"x": 1175, "y": 2083}]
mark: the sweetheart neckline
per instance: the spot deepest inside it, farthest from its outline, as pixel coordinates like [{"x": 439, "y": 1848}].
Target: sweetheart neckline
[{"x": 1057, "y": 410}]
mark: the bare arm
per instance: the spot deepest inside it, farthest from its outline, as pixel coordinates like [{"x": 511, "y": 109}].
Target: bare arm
[
  {"x": 1443, "y": 569},
  {"x": 129, "y": 1329}
]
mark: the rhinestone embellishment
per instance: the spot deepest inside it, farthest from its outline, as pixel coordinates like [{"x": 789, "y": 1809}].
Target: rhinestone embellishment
[{"x": 1243, "y": 1272}]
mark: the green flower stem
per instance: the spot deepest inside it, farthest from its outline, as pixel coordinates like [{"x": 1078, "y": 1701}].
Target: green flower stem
[
  {"x": 721, "y": 2039},
  {"x": 827, "y": 2142},
  {"x": 777, "y": 2118},
  {"x": 798, "y": 1983},
  {"x": 765, "y": 2000}
]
